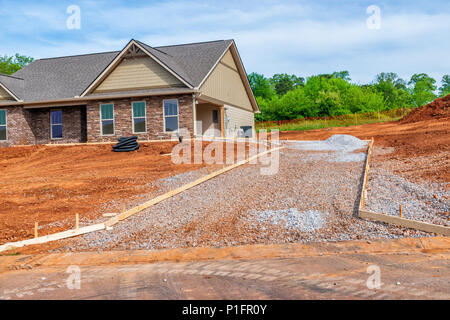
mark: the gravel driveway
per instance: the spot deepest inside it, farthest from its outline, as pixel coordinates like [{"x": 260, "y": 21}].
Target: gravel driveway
[{"x": 314, "y": 197}]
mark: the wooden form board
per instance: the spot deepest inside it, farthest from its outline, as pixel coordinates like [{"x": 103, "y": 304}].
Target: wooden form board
[
  {"x": 366, "y": 175},
  {"x": 52, "y": 237},
  {"x": 413, "y": 224},
  {"x": 398, "y": 221}
]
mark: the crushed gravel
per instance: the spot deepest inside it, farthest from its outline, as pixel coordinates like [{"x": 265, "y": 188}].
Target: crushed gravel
[
  {"x": 428, "y": 202},
  {"x": 314, "y": 200},
  {"x": 339, "y": 148},
  {"x": 337, "y": 142},
  {"x": 292, "y": 219}
]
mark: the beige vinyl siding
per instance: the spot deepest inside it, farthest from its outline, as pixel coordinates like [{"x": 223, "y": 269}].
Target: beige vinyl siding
[
  {"x": 138, "y": 73},
  {"x": 229, "y": 61},
  {"x": 5, "y": 95},
  {"x": 237, "y": 118},
  {"x": 225, "y": 84}
]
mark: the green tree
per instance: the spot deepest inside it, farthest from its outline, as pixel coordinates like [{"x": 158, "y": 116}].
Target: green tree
[
  {"x": 11, "y": 64},
  {"x": 284, "y": 83},
  {"x": 393, "y": 89},
  {"x": 344, "y": 75},
  {"x": 261, "y": 86},
  {"x": 445, "y": 88},
  {"x": 423, "y": 87}
]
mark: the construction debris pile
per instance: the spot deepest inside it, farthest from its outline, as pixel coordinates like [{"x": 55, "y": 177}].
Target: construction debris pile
[
  {"x": 126, "y": 144},
  {"x": 340, "y": 147},
  {"x": 438, "y": 109}
]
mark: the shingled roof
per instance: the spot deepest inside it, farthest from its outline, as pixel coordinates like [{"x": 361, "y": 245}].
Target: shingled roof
[
  {"x": 13, "y": 84},
  {"x": 68, "y": 77}
]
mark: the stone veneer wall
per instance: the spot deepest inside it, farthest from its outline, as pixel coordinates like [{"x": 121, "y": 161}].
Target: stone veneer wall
[{"x": 123, "y": 125}]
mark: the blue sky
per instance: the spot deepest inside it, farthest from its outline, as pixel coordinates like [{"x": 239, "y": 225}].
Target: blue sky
[{"x": 285, "y": 36}]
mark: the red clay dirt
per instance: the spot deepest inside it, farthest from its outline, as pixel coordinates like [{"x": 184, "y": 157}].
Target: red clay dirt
[
  {"x": 438, "y": 109},
  {"x": 420, "y": 141},
  {"x": 49, "y": 184}
]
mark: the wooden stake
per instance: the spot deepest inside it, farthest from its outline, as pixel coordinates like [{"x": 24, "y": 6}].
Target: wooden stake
[
  {"x": 401, "y": 211},
  {"x": 77, "y": 221},
  {"x": 35, "y": 229}
]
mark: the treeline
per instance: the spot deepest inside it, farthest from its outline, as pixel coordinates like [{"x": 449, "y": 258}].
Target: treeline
[{"x": 285, "y": 97}]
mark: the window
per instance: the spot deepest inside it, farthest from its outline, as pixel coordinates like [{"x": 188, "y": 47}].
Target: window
[
  {"x": 107, "y": 119},
  {"x": 139, "y": 120},
  {"x": 215, "y": 116},
  {"x": 56, "y": 126},
  {"x": 3, "y": 129},
  {"x": 170, "y": 115}
]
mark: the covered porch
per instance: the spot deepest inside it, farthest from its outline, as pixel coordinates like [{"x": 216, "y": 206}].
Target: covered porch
[{"x": 210, "y": 119}]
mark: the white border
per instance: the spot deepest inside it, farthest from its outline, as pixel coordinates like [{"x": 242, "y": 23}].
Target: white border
[
  {"x": 164, "y": 115},
  {"x": 145, "y": 116},
  {"x": 113, "y": 119},
  {"x": 62, "y": 125}
]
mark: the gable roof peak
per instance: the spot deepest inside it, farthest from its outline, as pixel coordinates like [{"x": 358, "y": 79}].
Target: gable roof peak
[{"x": 154, "y": 48}]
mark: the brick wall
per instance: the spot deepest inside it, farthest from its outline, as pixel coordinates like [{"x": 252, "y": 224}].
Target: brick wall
[
  {"x": 123, "y": 125},
  {"x": 32, "y": 126},
  {"x": 72, "y": 125},
  {"x": 81, "y": 124}
]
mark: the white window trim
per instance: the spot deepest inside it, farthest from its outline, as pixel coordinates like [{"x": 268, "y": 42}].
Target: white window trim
[
  {"x": 178, "y": 115},
  {"x": 51, "y": 125},
  {"x": 145, "y": 116},
  {"x": 101, "y": 120},
  {"x": 6, "y": 124}
]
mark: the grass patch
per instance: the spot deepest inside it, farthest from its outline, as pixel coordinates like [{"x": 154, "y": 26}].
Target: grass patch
[{"x": 329, "y": 122}]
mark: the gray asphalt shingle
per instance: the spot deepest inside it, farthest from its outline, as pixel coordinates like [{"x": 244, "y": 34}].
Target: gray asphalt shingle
[{"x": 67, "y": 77}]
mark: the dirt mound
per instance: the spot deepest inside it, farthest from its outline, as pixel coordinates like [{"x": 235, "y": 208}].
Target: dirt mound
[{"x": 438, "y": 109}]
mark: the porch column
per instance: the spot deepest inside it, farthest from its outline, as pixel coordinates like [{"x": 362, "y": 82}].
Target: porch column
[
  {"x": 222, "y": 121},
  {"x": 194, "y": 114}
]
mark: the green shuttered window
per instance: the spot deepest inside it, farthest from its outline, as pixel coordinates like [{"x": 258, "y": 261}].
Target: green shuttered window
[
  {"x": 139, "y": 118},
  {"x": 3, "y": 125},
  {"x": 107, "y": 119}
]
